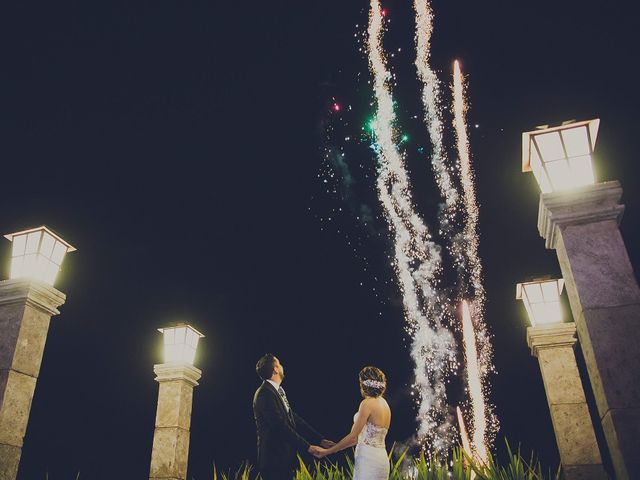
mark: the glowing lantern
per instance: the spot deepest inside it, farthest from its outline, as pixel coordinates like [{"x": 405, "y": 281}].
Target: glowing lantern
[
  {"x": 541, "y": 298},
  {"x": 561, "y": 157},
  {"x": 180, "y": 343},
  {"x": 37, "y": 253}
]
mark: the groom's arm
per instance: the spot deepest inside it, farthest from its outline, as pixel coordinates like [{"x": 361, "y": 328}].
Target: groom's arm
[
  {"x": 272, "y": 414},
  {"x": 307, "y": 430}
]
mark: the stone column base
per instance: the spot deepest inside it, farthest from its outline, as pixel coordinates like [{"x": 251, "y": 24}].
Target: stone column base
[
  {"x": 584, "y": 472},
  {"x": 10, "y": 456},
  {"x": 622, "y": 429},
  {"x": 170, "y": 453}
]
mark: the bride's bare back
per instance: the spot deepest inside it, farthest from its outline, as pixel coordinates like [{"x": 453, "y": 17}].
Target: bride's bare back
[{"x": 379, "y": 411}]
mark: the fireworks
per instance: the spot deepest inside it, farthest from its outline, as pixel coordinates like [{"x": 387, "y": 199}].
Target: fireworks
[
  {"x": 470, "y": 249},
  {"x": 466, "y": 444},
  {"x": 416, "y": 257},
  {"x": 431, "y": 103},
  {"x": 474, "y": 383},
  {"x": 476, "y": 338}
]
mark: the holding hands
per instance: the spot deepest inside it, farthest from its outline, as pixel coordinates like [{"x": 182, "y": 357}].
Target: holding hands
[
  {"x": 318, "y": 452},
  {"x": 322, "y": 450},
  {"x": 327, "y": 443}
]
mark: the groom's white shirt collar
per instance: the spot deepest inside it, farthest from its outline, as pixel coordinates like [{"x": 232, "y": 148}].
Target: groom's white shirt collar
[{"x": 277, "y": 387}]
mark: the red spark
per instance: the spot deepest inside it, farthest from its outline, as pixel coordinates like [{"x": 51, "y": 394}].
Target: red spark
[{"x": 336, "y": 107}]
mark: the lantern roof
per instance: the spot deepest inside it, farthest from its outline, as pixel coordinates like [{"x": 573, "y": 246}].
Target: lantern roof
[
  {"x": 180, "y": 325},
  {"x": 539, "y": 280},
  {"x": 70, "y": 248}
]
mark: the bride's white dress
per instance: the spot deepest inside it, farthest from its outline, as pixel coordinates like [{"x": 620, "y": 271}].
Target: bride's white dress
[{"x": 371, "y": 459}]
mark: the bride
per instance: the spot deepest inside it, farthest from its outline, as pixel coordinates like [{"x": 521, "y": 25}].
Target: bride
[{"x": 370, "y": 427}]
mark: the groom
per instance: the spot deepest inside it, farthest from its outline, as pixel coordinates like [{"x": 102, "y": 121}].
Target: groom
[{"x": 281, "y": 432}]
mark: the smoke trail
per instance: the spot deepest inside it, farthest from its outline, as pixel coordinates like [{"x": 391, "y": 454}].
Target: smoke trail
[
  {"x": 484, "y": 422},
  {"x": 417, "y": 259},
  {"x": 474, "y": 383}
]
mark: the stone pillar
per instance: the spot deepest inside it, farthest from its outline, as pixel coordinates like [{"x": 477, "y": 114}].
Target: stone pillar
[
  {"x": 576, "y": 439},
  {"x": 26, "y": 308},
  {"x": 582, "y": 226},
  {"x": 170, "y": 452}
]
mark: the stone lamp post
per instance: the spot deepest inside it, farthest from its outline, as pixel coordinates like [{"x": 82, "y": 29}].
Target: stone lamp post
[
  {"x": 579, "y": 219},
  {"x": 177, "y": 377},
  {"x": 552, "y": 341},
  {"x": 28, "y": 300}
]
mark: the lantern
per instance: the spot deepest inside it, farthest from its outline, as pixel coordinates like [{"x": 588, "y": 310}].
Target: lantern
[
  {"x": 561, "y": 157},
  {"x": 38, "y": 254},
  {"x": 180, "y": 343},
  {"x": 541, "y": 298}
]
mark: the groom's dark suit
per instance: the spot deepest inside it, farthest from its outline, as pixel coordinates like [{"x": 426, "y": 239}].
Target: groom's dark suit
[{"x": 280, "y": 434}]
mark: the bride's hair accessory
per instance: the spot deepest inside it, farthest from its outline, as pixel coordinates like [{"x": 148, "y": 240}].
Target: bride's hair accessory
[{"x": 372, "y": 383}]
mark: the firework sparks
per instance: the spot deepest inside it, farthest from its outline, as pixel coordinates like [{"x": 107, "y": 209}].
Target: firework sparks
[
  {"x": 474, "y": 265},
  {"x": 466, "y": 445},
  {"x": 464, "y": 436},
  {"x": 416, "y": 257},
  {"x": 479, "y": 362},
  {"x": 431, "y": 103},
  {"x": 469, "y": 247},
  {"x": 474, "y": 382}
]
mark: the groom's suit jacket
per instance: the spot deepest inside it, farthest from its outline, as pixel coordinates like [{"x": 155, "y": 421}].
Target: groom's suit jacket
[{"x": 280, "y": 432}]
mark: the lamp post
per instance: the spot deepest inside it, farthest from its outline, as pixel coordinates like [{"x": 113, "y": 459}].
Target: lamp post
[
  {"x": 28, "y": 300},
  {"x": 579, "y": 218},
  {"x": 177, "y": 376},
  {"x": 551, "y": 341}
]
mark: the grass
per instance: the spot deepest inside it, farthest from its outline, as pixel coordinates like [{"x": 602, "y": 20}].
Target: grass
[{"x": 458, "y": 467}]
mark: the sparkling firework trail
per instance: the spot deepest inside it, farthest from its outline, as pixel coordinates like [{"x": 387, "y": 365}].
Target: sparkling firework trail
[
  {"x": 469, "y": 193},
  {"x": 475, "y": 385},
  {"x": 416, "y": 258},
  {"x": 480, "y": 363},
  {"x": 432, "y": 110},
  {"x": 466, "y": 445}
]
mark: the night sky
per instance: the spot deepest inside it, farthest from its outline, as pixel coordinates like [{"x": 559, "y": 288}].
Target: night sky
[{"x": 180, "y": 147}]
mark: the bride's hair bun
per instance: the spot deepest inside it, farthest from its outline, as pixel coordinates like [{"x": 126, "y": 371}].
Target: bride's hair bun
[{"x": 373, "y": 382}]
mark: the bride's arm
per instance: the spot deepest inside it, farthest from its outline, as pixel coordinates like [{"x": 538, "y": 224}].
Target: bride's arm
[{"x": 352, "y": 437}]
